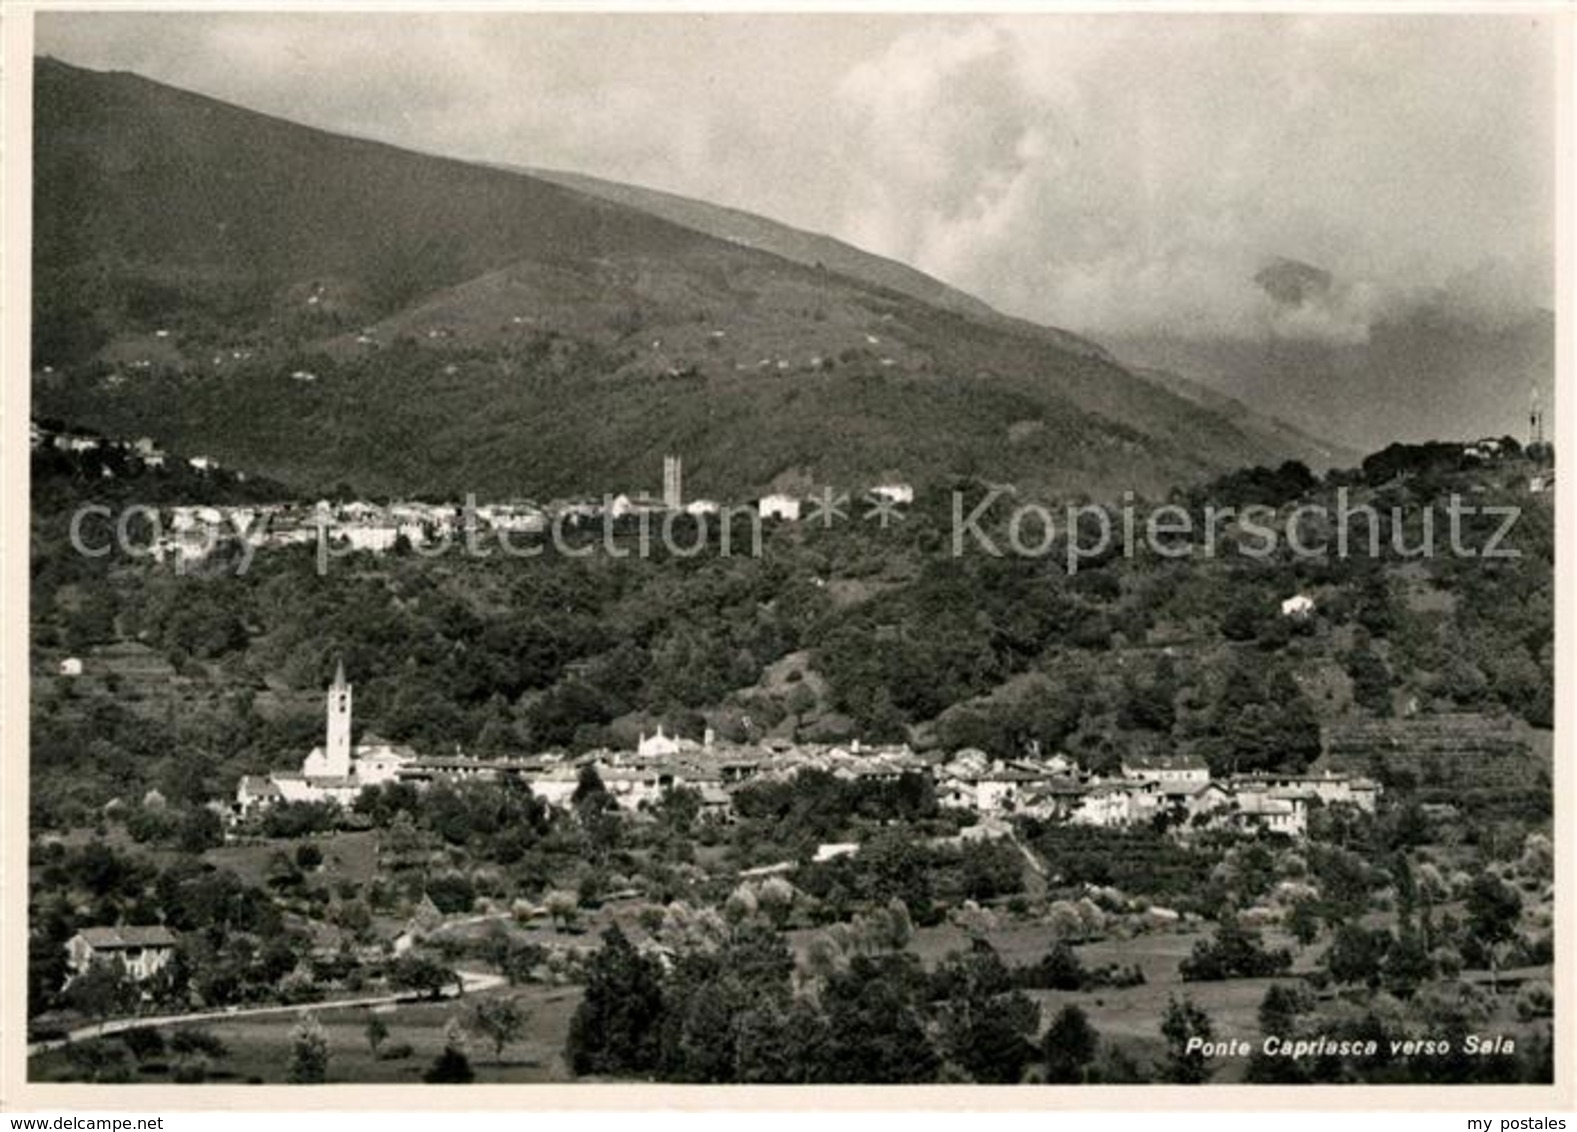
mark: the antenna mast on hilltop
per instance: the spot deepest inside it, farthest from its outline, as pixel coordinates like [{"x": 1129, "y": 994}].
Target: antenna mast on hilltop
[{"x": 1535, "y": 420}]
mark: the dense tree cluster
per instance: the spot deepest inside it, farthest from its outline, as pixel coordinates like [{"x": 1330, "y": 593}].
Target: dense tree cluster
[{"x": 738, "y": 1014}]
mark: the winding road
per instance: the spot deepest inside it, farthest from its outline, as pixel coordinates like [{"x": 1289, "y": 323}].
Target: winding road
[{"x": 470, "y": 981}]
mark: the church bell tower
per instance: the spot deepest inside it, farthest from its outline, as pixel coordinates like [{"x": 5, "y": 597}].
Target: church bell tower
[{"x": 337, "y": 748}]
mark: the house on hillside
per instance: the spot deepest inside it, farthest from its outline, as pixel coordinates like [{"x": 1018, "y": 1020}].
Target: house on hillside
[
  {"x": 142, "y": 952},
  {"x": 893, "y": 492},
  {"x": 555, "y": 785},
  {"x": 1330, "y": 787},
  {"x": 255, "y": 792},
  {"x": 148, "y": 451},
  {"x": 970, "y": 780},
  {"x": 1057, "y": 799},
  {"x": 832, "y": 850},
  {"x": 779, "y": 506},
  {"x": 634, "y": 787},
  {"x": 1299, "y": 607},
  {"x": 1063, "y": 765},
  {"x": 1114, "y": 804},
  {"x": 716, "y": 802},
  {"x": 1278, "y": 814}
]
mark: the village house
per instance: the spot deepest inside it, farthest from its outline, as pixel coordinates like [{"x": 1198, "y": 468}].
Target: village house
[
  {"x": 832, "y": 850},
  {"x": 148, "y": 451},
  {"x": 1115, "y": 804},
  {"x": 375, "y": 537},
  {"x": 893, "y": 492},
  {"x": 779, "y": 506},
  {"x": 141, "y": 952},
  {"x": 632, "y": 787},
  {"x": 523, "y": 518},
  {"x": 716, "y": 802},
  {"x": 556, "y": 785},
  {"x": 1487, "y": 448},
  {"x": 1171, "y": 769},
  {"x": 1206, "y": 799},
  {"x": 970, "y": 781},
  {"x": 1061, "y": 765},
  {"x": 1056, "y": 799},
  {"x": 255, "y": 792},
  {"x": 1277, "y": 814},
  {"x": 69, "y": 442},
  {"x": 1330, "y": 787},
  {"x": 1299, "y": 607}
]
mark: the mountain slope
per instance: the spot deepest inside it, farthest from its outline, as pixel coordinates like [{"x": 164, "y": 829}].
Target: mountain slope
[
  {"x": 754, "y": 231},
  {"x": 323, "y": 310},
  {"x": 1317, "y": 453},
  {"x": 808, "y": 248}
]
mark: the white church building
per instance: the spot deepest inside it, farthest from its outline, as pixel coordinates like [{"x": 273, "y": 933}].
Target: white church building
[{"x": 337, "y": 771}]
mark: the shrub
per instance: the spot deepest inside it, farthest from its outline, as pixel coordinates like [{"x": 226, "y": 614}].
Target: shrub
[
  {"x": 1235, "y": 953},
  {"x": 1535, "y": 1000}
]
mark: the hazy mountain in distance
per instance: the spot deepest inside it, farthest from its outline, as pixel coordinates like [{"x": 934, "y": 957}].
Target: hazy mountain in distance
[
  {"x": 328, "y": 310},
  {"x": 1427, "y": 368},
  {"x": 1317, "y": 453}
]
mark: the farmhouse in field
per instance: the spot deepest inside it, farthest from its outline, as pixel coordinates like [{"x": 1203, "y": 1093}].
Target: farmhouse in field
[{"x": 142, "y": 952}]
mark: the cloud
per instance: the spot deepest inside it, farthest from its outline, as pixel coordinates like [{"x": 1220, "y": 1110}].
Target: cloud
[
  {"x": 1124, "y": 176},
  {"x": 1114, "y": 174}
]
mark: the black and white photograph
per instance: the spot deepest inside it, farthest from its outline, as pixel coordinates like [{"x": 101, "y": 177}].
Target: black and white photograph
[{"x": 725, "y": 548}]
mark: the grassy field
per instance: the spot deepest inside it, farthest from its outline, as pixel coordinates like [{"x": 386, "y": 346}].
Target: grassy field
[
  {"x": 260, "y": 1047},
  {"x": 349, "y": 856}
]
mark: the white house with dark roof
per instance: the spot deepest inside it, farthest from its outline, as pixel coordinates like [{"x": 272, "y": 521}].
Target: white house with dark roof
[
  {"x": 1279, "y": 814},
  {"x": 141, "y": 951},
  {"x": 255, "y": 792}
]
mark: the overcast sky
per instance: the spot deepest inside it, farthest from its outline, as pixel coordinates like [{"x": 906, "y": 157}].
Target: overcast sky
[{"x": 1112, "y": 174}]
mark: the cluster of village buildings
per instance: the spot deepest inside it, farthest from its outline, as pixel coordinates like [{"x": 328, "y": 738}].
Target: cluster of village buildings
[
  {"x": 144, "y": 450},
  {"x": 195, "y": 531},
  {"x": 1056, "y": 788},
  {"x": 1146, "y": 787},
  {"x": 1178, "y": 787}
]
